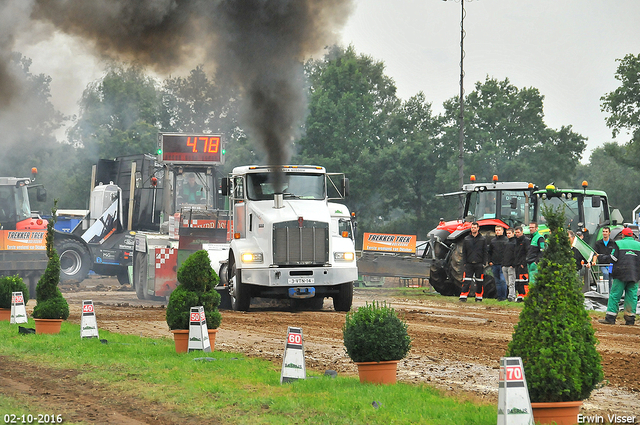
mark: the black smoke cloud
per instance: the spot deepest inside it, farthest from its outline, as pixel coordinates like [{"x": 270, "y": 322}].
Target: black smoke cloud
[{"x": 257, "y": 45}]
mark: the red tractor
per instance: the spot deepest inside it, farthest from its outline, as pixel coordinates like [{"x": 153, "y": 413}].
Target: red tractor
[{"x": 506, "y": 204}]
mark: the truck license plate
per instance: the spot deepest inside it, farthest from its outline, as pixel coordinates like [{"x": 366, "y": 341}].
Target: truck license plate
[{"x": 300, "y": 280}]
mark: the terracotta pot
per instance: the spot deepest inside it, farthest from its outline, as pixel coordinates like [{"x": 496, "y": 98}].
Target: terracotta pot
[
  {"x": 48, "y": 326},
  {"x": 561, "y": 413},
  {"x": 5, "y": 314},
  {"x": 181, "y": 338},
  {"x": 378, "y": 372}
]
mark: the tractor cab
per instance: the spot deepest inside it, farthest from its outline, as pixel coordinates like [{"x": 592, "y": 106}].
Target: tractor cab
[
  {"x": 506, "y": 204},
  {"x": 15, "y": 209},
  {"x": 585, "y": 210}
]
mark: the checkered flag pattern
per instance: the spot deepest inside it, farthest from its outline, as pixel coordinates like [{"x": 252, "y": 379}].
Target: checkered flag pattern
[{"x": 162, "y": 255}]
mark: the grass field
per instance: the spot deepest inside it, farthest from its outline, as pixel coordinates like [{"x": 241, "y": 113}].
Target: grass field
[{"x": 230, "y": 389}]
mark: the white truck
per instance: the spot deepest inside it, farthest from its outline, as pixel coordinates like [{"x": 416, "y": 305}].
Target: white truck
[{"x": 289, "y": 241}]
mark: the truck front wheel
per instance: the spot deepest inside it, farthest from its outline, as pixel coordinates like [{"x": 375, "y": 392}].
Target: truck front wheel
[
  {"x": 344, "y": 299},
  {"x": 240, "y": 292},
  {"x": 75, "y": 261}
]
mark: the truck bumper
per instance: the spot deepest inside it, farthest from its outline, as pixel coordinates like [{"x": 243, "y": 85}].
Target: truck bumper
[{"x": 300, "y": 276}]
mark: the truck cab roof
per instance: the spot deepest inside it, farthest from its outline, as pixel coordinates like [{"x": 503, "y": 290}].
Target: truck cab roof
[{"x": 247, "y": 169}]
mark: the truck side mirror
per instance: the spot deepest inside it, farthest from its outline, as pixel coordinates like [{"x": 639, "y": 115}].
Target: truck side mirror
[
  {"x": 345, "y": 187},
  {"x": 41, "y": 194},
  {"x": 224, "y": 186},
  {"x": 595, "y": 201},
  {"x": 513, "y": 202},
  {"x": 616, "y": 217}
]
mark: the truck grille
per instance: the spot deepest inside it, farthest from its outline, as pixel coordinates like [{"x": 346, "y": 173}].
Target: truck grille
[{"x": 300, "y": 246}]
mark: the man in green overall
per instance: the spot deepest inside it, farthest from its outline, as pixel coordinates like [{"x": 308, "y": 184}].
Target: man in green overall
[{"x": 625, "y": 257}]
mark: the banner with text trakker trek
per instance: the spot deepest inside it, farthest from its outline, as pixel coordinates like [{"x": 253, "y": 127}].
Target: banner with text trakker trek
[
  {"x": 22, "y": 240},
  {"x": 389, "y": 243}
]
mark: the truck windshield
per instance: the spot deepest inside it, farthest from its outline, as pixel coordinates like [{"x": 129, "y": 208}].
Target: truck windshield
[{"x": 260, "y": 186}]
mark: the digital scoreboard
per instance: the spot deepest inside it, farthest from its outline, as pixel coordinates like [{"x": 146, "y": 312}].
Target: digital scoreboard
[{"x": 190, "y": 148}]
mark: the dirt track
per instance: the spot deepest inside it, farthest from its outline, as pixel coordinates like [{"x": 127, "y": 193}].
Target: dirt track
[{"x": 455, "y": 347}]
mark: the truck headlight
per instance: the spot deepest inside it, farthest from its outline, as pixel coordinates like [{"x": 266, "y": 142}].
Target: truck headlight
[
  {"x": 343, "y": 256},
  {"x": 252, "y": 257}
]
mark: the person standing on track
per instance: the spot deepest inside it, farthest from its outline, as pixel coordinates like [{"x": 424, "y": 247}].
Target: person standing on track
[
  {"x": 496, "y": 261},
  {"x": 474, "y": 257},
  {"x": 520, "y": 264},
  {"x": 508, "y": 264},
  {"x": 625, "y": 257},
  {"x": 605, "y": 246}
]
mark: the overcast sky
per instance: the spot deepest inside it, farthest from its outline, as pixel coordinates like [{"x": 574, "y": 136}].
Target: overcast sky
[{"x": 566, "y": 49}]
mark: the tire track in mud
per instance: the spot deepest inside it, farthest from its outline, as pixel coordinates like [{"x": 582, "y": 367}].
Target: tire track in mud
[{"x": 59, "y": 391}]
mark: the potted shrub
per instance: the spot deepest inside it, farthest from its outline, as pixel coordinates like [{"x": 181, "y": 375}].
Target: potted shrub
[
  {"x": 196, "y": 287},
  {"x": 554, "y": 336},
  {"x": 51, "y": 308},
  {"x": 9, "y": 285},
  {"x": 375, "y": 338}
]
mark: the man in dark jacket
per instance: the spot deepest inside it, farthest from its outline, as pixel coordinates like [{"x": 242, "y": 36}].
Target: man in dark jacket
[
  {"x": 508, "y": 269},
  {"x": 474, "y": 257},
  {"x": 605, "y": 246},
  {"x": 625, "y": 257},
  {"x": 536, "y": 249},
  {"x": 496, "y": 255},
  {"x": 520, "y": 264}
]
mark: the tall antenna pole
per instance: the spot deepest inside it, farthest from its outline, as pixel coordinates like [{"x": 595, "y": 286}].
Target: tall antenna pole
[{"x": 461, "y": 117}]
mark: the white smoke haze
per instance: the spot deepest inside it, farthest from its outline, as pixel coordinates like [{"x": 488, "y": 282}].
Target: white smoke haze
[{"x": 257, "y": 45}]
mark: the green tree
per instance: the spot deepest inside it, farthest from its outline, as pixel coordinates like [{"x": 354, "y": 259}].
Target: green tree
[
  {"x": 623, "y": 107},
  {"x": 505, "y": 134},
  {"x": 200, "y": 104},
  {"x": 554, "y": 336},
  {"x": 609, "y": 169},
  {"x": 420, "y": 170},
  {"x": 623, "y": 104},
  {"x": 118, "y": 114},
  {"x": 351, "y": 104}
]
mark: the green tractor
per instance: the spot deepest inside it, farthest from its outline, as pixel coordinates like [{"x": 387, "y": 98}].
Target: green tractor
[{"x": 586, "y": 210}]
